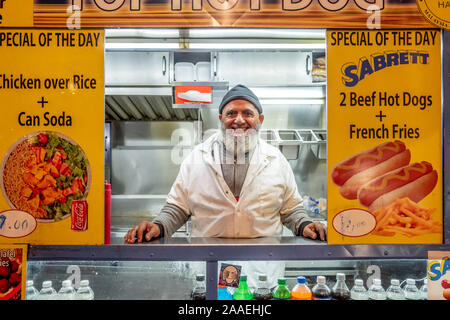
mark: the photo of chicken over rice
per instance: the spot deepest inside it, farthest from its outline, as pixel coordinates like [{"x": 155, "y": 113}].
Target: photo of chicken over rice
[{"x": 43, "y": 173}]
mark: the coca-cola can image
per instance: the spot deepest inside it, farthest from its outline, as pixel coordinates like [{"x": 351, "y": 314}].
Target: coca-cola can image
[{"x": 79, "y": 215}]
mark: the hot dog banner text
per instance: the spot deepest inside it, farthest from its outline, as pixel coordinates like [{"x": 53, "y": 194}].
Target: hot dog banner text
[
  {"x": 369, "y": 14},
  {"x": 51, "y": 155},
  {"x": 384, "y": 128}
]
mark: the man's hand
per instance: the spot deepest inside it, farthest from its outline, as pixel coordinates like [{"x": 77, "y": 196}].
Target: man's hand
[
  {"x": 311, "y": 230},
  {"x": 145, "y": 229}
]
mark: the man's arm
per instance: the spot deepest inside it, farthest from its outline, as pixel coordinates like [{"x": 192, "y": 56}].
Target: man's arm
[
  {"x": 296, "y": 220},
  {"x": 301, "y": 225},
  {"x": 170, "y": 219}
]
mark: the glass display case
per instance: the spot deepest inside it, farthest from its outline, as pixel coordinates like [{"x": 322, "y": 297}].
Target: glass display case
[
  {"x": 166, "y": 268},
  {"x": 121, "y": 280}
]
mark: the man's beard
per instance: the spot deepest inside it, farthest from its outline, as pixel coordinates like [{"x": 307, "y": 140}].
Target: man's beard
[{"x": 238, "y": 142}]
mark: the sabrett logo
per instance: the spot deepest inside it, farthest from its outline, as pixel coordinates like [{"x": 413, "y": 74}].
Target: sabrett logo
[
  {"x": 437, "y": 269},
  {"x": 352, "y": 73}
]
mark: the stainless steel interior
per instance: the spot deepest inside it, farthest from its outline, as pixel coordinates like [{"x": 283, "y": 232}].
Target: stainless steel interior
[{"x": 149, "y": 134}]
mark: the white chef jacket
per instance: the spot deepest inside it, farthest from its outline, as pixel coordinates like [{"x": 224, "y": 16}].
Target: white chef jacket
[{"x": 269, "y": 190}]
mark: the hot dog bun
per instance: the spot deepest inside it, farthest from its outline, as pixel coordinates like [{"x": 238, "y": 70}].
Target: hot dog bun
[
  {"x": 361, "y": 168},
  {"x": 349, "y": 189},
  {"x": 414, "y": 181}
]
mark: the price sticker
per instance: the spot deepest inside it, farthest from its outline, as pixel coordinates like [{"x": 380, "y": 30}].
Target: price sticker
[
  {"x": 354, "y": 222},
  {"x": 16, "y": 224}
]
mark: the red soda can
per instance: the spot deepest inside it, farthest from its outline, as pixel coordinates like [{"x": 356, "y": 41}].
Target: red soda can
[{"x": 79, "y": 215}]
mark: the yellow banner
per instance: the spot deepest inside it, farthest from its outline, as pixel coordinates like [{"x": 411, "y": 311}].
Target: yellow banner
[
  {"x": 14, "y": 13},
  {"x": 13, "y": 272},
  {"x": 384, "y": 136},
  {"x": 51, "y": 174},
  {"x": 357, "y": 14}
]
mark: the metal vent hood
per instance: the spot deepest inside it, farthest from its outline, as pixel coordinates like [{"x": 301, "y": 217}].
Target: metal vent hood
[
  {"x": 140, "y": 63},
  {"x": 145, "y": 107}
]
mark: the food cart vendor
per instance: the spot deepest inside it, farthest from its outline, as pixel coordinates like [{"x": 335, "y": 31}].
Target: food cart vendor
[{"x": 233, "y": 185}]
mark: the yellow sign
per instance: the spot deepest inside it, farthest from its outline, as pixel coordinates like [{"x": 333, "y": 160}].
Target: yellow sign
[
  {"x": 384, "y": 136},
  {"x": 13, "y": 272},
  {"x": 51, "y": 170},
  {"x": 437, "y": 12},
  {"x": 15, "y": 13}
]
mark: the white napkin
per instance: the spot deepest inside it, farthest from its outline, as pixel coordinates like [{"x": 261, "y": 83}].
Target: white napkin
[{"x": 194, "y": 95}]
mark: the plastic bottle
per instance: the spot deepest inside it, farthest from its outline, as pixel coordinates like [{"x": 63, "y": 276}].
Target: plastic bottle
[
  {"x": 322, "y": 204},
  {"x": 281, "y": 291},
  {"x": 67, "y": 292},
  {"x": 376, "y": 291},
  {"x": 311, "y": 204},
  {"x": 262, "y": 291},
  {"x": 395, "y": 292},
  {"x": 340, "y": 290},
  {"x": 359, "y": 292},
  {"x": 411, "y": 291},
  {"x": 199, "y": 291},
  {"x": 301, "y": 290},
  {"x": 47, "y": 292},
  {"x": 242, "y": 292},
  {"x": 321, "y": 291},
  {"x": 84, "y": 292},
  {"x": 424, "y": 290},
  {"x": 107, "y": 224},
  {"x": 31, "y": 291}
]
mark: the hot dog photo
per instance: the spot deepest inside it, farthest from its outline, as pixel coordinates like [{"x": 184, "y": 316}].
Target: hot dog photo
[{"x": 386, "y": 183}]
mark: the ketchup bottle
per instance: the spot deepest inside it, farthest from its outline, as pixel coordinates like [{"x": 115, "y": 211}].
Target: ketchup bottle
[{"x": 107, "y": 212}]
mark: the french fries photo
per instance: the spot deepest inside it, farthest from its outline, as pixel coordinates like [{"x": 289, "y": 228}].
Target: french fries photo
[{"x": 405, "y": 217}]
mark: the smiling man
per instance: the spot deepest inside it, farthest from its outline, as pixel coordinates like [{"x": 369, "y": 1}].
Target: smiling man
[{"x": 233, "y": 185}]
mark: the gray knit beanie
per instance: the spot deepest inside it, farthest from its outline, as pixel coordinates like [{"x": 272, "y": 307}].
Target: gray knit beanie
[{"x": 240, "y": 92}]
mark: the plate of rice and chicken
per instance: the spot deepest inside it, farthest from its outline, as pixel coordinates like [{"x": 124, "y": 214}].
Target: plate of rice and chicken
[{"x": 42, "y": 173}]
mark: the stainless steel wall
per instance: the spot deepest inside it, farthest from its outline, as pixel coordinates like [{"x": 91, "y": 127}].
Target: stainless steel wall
[{"x": 144, "y": 163}]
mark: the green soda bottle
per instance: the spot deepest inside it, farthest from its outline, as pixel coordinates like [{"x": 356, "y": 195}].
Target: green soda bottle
[
  {"x": 242, "y": 292},
  {"x": 281, "y": 292}
]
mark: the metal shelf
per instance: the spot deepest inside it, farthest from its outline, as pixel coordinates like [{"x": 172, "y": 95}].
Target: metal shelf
[{"x": 207, "y": 249}]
